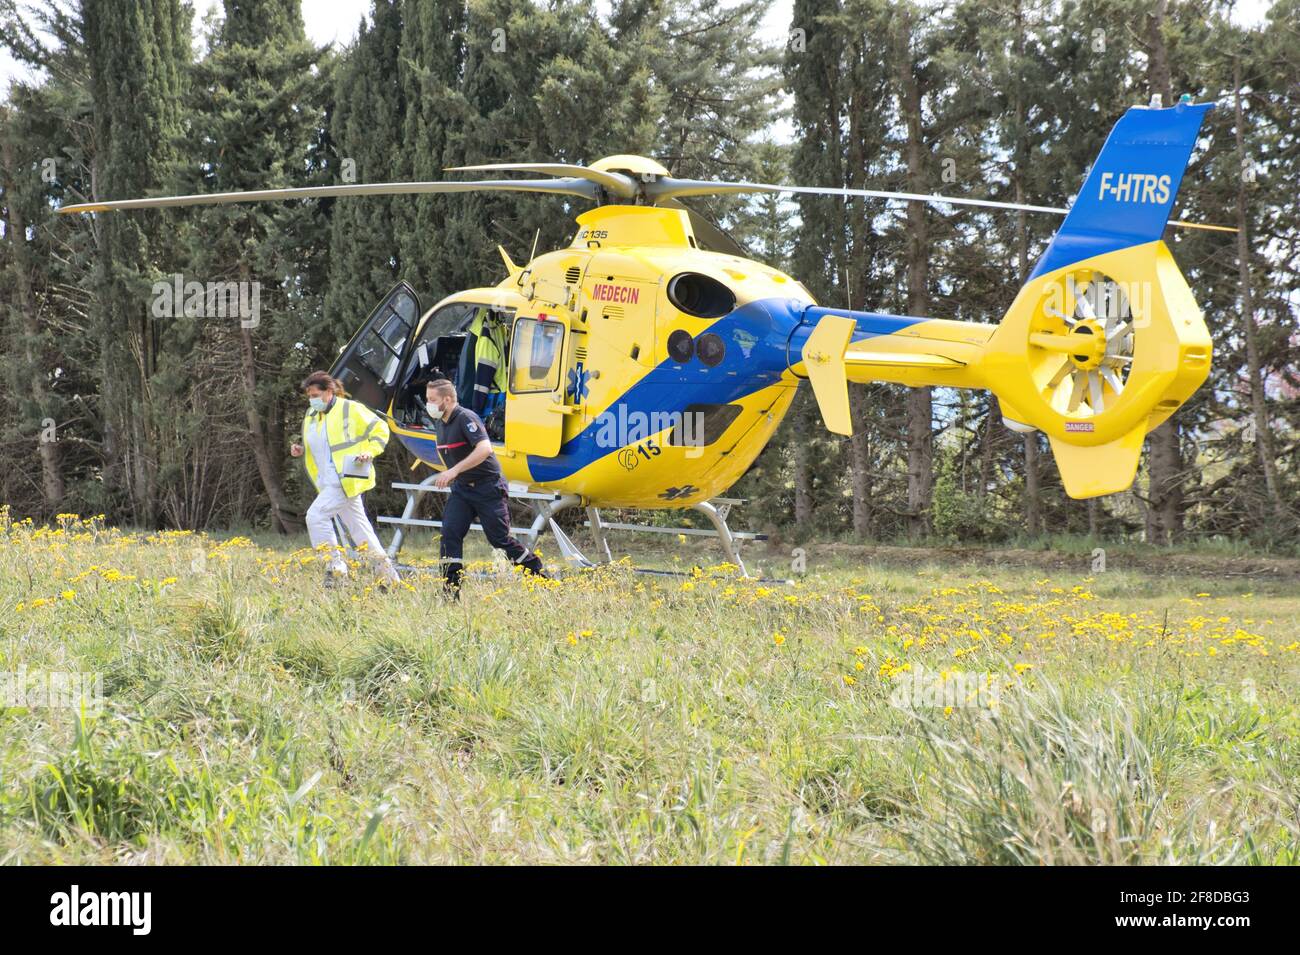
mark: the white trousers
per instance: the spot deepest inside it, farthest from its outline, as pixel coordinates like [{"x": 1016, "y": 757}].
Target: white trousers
[{"x": 330, "y": 503}]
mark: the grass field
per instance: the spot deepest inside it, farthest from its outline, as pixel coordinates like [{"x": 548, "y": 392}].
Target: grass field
[{"x": 902, "y": 708}]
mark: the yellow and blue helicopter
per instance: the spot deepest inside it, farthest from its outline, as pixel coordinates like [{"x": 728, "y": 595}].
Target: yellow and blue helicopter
[{"x": 649, "y": 362}]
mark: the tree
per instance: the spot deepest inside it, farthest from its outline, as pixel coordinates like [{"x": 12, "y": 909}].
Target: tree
[
  {"x": 137, "y": 57},
  {"x": 32, "y": 369},
  {"x": 258, "y": 108},
  {"x": 366, "y": 131}
]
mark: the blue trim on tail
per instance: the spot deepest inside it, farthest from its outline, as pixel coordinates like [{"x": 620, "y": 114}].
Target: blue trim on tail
[{"x": 1128, "y": 195}]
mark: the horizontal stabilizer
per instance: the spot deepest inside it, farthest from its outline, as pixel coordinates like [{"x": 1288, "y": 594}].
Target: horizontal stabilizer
[
  {"x": 831, "y": 360},
  {"x": 879, "y": 359}
]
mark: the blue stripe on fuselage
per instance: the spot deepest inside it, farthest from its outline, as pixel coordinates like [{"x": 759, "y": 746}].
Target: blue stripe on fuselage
[
  {"x": 870, "y": 324},
  {"x": 761, "y": 338}
]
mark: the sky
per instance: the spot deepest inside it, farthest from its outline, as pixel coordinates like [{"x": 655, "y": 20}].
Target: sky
[{"x": 336, "y": 21}]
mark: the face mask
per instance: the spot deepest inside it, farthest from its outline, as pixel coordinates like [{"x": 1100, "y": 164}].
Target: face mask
[
  {"x": 434, "y": 411},
  {"x": 317, "y": 404}
]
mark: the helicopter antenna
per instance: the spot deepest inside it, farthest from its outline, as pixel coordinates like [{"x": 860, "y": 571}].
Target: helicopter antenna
[{"x": 531, "y": 255}]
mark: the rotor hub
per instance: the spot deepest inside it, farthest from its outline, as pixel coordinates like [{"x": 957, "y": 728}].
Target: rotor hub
[{"x": 1087, "y": 344}]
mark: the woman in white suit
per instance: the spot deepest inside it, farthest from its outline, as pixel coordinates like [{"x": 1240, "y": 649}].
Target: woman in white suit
[{"x": 341, "y": 438}]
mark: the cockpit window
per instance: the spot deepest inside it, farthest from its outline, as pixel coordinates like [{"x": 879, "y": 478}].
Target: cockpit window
[{"x": 535, "y": 356}]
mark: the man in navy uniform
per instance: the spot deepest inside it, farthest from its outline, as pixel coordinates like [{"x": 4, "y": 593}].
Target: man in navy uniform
[{"x": 478, "y": 489}]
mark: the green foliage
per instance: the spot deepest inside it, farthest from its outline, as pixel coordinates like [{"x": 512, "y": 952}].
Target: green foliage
[
  {"x": 960, "y": 515},
  {"x": 185, "y": 421}
]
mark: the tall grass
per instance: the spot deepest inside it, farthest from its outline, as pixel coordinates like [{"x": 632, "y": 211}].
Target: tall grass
[{"x": 252, "y": 717}]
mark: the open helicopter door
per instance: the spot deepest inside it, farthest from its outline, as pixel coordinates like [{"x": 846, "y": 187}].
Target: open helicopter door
[
  {"x": 368, "y": 365},
  {"x": 535, "y": 406}
]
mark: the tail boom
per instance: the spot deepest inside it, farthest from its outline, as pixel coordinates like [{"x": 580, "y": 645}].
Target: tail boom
[{"x": 846, "y": 346}]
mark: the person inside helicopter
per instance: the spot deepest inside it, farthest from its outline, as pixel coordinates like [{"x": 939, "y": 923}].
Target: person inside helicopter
[
  {"x": 487, "y": 366},
  {"x": 466, "y": 344}
]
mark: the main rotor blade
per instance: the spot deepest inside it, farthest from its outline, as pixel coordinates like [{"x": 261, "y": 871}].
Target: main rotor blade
[
  {"x": 668, "y": 186},
  {"x": 573, "y": 187},
  {"x": 1182, "y": 224},
  {"x": 616, "y": 183}
]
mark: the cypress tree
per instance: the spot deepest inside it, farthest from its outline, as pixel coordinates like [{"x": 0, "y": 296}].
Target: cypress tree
[
  {"x": 137, "y": 55},
  {"x": 259, "y": 110}
]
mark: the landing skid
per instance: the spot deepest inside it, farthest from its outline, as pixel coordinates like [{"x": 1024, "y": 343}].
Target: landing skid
[
  {"x": 546, "y": 505},
  {"x": 715, "y": 510}
]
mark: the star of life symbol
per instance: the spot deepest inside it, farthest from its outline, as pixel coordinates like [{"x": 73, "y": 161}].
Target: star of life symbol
[{"x": 577, "y": 383}]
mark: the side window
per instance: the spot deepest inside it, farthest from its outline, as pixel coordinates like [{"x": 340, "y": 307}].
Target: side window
[
  {"x": 368, "y": 366},
  {"x": 381, "y": 347},
  {"x": 535, "y": 356},
  {"x": 445, "y": 320},
  {"x": 437, "y": 345},
  {"x": 702, "y": 424}
]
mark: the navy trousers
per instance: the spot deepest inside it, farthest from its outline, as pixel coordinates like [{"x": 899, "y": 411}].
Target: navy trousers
[{"x": 486, "y": 501}]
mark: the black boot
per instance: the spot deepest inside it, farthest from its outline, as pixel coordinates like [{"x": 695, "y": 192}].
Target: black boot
[{"x": 451, "y": 581}]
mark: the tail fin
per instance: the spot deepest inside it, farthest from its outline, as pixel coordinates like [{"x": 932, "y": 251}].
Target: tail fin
[
  {"x": 1130, "y": 190},
  {"x": 1105, "y": 340}
]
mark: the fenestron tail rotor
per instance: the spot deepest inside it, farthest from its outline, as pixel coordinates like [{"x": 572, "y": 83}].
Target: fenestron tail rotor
[
  {"x": 1097, "y": 354},
  {"x": 1090, "y": 347}
]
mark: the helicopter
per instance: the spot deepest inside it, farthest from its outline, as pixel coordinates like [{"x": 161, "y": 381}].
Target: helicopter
[{"x": 650, "y": 362}]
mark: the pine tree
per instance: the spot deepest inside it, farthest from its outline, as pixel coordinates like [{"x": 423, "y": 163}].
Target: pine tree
[
  {"x": 366, "y": 128},
  {"x": 259, "y": 109},
  {"x": 29, "y": 361},
  {"x": 137, "y": 57}
]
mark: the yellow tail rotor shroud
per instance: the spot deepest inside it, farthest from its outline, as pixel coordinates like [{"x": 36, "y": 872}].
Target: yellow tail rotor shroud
[{"x": 1095, "y": 355}]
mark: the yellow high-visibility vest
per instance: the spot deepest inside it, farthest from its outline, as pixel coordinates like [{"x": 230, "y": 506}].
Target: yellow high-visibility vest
[
  {"x": 488, "y": 349},
  {"x": 351, "y": 428}
]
